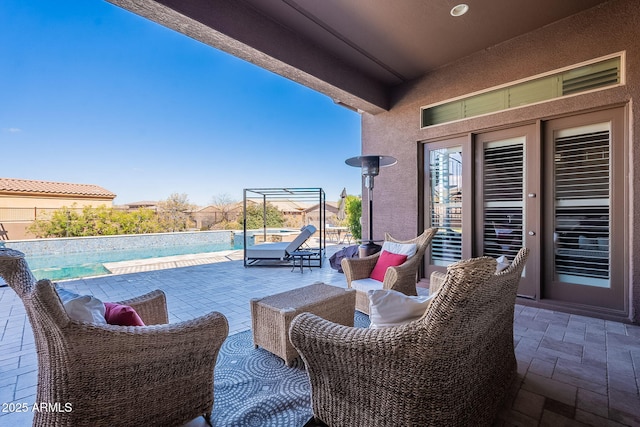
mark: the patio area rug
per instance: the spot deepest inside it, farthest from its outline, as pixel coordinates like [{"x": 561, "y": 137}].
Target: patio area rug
[{"x": 253, "y": 387}]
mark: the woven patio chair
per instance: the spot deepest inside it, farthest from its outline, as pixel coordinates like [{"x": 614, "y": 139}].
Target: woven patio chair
[
  {"x": 452, "y": 367},
  {"x": 106, "y": 375},
  {"x": 402, "y": 278}
]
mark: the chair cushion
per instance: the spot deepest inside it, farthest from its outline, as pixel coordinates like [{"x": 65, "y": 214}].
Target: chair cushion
[
  {"x": 386, "y": 260},
  {"x": 392, "y": 308},
  {"x": 83, "y": 308},
  {"x": 365, "y": 285},
  {"x": 408, "y": 249},
  {"x": 123, "y": 315}
]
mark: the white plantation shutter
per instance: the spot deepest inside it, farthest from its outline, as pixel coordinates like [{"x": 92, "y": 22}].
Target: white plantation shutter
[
  {"x": 503, "y": 188},
  {"x": 582, "y": 205}
]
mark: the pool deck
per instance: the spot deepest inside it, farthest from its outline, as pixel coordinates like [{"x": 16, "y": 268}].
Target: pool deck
[
  {"x": 572, "y": 370},
  {"x": 175, "y": 261}
]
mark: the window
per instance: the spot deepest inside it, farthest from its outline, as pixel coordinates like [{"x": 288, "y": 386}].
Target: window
[
  {"x": 445, "y": 182},
  {"x": 582, "y": 78},
  {"x": 503, "y": 188},
  {"x": 581, "y": 231}
]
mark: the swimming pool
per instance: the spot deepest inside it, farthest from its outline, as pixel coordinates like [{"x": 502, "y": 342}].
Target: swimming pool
[
  {"x": 76, "y": 257},
  {"x": 77, "y": 265}
]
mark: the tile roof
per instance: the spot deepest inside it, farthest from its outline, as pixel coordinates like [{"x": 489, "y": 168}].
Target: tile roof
[{"x": 27, "y": 186}]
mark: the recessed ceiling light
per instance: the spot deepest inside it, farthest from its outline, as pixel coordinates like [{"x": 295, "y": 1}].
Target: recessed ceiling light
[{"x": 459, "y": 10}]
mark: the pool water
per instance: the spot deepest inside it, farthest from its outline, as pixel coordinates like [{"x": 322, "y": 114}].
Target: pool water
[
  {"x": 73, "y": 272},
  {"x": 76, "y": 265}
]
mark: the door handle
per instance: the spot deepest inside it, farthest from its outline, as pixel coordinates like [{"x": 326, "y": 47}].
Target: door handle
[{"x": 532, "y": 233}]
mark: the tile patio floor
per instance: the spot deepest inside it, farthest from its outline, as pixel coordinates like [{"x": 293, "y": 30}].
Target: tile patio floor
[{"x": 573, "y": 370}]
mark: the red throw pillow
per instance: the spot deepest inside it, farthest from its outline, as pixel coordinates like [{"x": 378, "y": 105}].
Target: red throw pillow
[
  {"x": 386, "y": 260},
  {"x": 123, "y": 315}
]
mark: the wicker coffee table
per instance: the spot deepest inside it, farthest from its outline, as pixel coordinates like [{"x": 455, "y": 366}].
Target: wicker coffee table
[{"x": 272, "y": 315}]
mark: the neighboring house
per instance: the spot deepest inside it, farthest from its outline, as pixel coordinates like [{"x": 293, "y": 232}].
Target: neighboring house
[
  {"x": 312, "y": 213},
  {"x": 23, "y": 200},
  {"x": 291, "y": 208},
  {"x": 296, "y": 213},
  {"x": 208, "y": 216},
  {"x": 514, "y": 125}
]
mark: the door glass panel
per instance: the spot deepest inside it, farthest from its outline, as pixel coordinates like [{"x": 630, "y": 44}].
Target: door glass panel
[
  {"x": 445, "y": 181},
  {"x": 582, "y": 205},
  {"x": 503, "y": 188}
]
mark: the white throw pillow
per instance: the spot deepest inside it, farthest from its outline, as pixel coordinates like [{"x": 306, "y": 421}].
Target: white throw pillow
[
  {"x": 503, "y": 262},
  {"x": 391, "y": 308},
  {"x": 83, "y": 308},
  {"x": 408, "y": 249}
]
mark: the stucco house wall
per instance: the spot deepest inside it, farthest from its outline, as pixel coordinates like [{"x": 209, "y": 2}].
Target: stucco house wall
[
  {"x": 17, "y": 213},
  {"x": 608, "y": 29},
  {"x": 50, "y": 202},
  {"x": 22, "y": 201}
]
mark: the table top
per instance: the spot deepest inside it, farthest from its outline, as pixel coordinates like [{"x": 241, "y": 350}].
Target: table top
[
  {"x": 301, "y": 253},
  {"x": 302, "y": 297}
]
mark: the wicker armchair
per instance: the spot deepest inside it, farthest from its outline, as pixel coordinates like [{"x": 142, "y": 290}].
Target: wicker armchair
[
  {"x": 117, "y": 375},
  {"x": 511, "y": 273},
  {"x": 452, "y": 367},
  {"x": 402, "y": 278}
]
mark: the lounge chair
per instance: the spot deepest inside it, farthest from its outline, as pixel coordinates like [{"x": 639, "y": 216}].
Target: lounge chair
[
  {"x": 400, "y": 278},
  {"x": 280, "y": 250},
  {"x": 106, "y": 375},
  {"x": 452, "y": 367}
]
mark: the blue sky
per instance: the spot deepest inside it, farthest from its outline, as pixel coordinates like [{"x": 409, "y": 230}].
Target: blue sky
[{"x": 91, "y": 93}]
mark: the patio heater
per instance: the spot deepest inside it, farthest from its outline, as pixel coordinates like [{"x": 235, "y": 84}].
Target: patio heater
[{"x": 370, "y": 168}]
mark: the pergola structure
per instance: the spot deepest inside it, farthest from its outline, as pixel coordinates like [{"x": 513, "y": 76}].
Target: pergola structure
[{"x": 303, "y": 196}]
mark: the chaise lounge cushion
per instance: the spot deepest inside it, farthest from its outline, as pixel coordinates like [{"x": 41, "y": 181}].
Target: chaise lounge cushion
[
  {"x": 276, "y": 250},
  {"x": 279, "y": 250}
]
